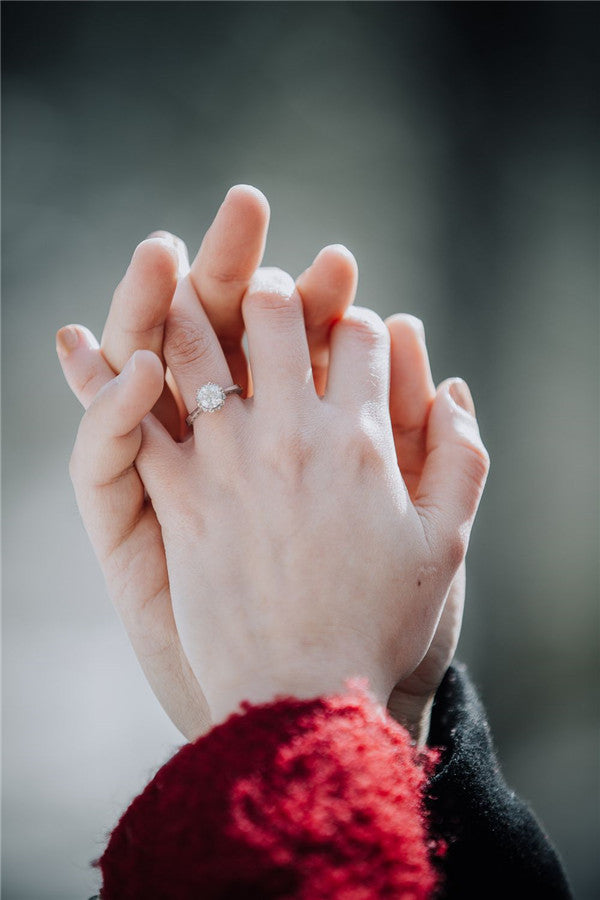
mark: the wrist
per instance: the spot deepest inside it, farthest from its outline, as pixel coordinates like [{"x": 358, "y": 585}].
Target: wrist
[
  {"x": 227, "y": 698},
  {"x": 414, "y": 713}
]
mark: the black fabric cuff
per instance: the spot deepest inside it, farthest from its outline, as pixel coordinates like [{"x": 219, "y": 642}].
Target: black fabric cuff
[{"x": 495, "y": 844}]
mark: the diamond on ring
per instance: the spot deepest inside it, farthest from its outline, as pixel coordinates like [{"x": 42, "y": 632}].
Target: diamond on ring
[{"x": 211, "y": 397}]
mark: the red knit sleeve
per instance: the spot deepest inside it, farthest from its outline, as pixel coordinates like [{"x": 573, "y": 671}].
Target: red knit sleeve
[{"x": 294, "y": 799}]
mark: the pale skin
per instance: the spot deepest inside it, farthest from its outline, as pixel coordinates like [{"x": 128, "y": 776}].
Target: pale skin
[{"x": 250, "y": 509}]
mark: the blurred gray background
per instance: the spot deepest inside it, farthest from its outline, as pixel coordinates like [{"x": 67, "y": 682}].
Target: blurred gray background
[{"x": 453, "y": 148}]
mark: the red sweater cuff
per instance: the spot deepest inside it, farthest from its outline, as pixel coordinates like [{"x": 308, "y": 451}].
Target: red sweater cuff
[{"x": 299, "y": 799}]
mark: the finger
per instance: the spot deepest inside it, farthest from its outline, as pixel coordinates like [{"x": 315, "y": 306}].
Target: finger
[
  {"x": 137, "y": 314},
  {"x": 278, "y": 349},
  {"x": 411, "y": 386},
  {"x": 191, "y": 348},
  {"x": 327, "y": 289},
  {"x": 359, "y": 366},
  {"x": 83, "y": 365},
  {"x": 411, "y": 394},
  {"x": 141, "y": 302},
  {"x": 87, "y": 371},
  {"x": 115, "y": 515},
  {"x": 170, "y": 408},
  {"x": 231, "y": 251},
  {"x": 109, "y": 492},
  {"x": 109, "y": 435},
  {"x": 183, "y": 260},
  {"x": 455, "y": 470}
]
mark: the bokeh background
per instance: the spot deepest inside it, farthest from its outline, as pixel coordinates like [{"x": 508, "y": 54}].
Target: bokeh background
[{"x": 453, "y": 148}]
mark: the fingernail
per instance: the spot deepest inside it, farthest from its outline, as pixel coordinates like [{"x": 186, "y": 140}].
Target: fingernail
[
  {"x": 461, "y": 395},
  {"x": 341, "y": 249},
  {"x": 418, "y": 326},
  {"x": 165, "y": 235},
  {"x": 66, "y": 340},
  {"x": 166, "y": 239}
]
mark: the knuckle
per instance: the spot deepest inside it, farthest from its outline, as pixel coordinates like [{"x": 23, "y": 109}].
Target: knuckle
[
  {"x": 186, "y": 342},
  {"x": 272, "y": 289},
  {"x": 363, "y": 446},
  {"x": 86, "y": 383},
  {"x": 477, "y": 463},
  {"x": 227, "y": 277},
  {"x": 270, "y": 301},
  {"x": 288, "y": 453},
  {"x": 454, "y": 550},
  {"x": 365, "y": 326}
]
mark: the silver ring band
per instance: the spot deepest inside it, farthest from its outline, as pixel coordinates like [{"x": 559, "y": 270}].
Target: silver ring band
[{"x": 210, "y": 398}]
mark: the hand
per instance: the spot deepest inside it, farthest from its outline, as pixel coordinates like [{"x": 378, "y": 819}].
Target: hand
[
  {"x": 327, "y": 288},
  {"x": 258, "y": 489},
  {"x": 412, "y": 393},
  {"x": 128, "y": 541},
  {"x": 330, "y": 280}
]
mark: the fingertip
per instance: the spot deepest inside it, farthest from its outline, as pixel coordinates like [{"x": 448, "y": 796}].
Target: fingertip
[
  {"x": 141, "y": 302},
  {"x": 361, "y": 331},
  {"x": 160, "y": 233},
  {"x": 271, "y": 282},
  {"x": 399, "y": 322},
  {"x": 88, "y": 337},
  {"x": 250, "y": 197},
  {"x": 173, "y": 241},
  {"x": 359, "y": 363},
  {"x": 447, "y": 407},
  {"x": 136, "y": 389},
  {"x": 328, "y": 285},
  {"x": 71, "y": 337},
  {"x": 455, "y": 472},
  {"x": 149, "y": 358},
  {"x": 453, "y": 419},
  {"x": 337, "y": 265},
  {"x": 230, "y": 252},
  {"x": 67, "y": 340},
  {"x": 146, "y": 363},
  {"x": 247, "y": 206},
  {"x": 460, "y": 395},
  {"x": 454, "y": 399},
  {"x": 338, "y": 250},
  {"x": 158, "y": 255},
  {"x": 363, "y": 319}
]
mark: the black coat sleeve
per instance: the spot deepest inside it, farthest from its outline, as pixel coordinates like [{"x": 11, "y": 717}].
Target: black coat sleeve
[{"x": 495, "y": 844}]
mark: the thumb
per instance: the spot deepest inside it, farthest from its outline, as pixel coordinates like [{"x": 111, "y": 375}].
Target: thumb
[
  {"x": 455, "y": 471},
  {"x": 109, "y": 492}
]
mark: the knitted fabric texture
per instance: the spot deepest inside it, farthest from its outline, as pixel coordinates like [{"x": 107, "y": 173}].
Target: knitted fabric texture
[{"x": 293, "y": 799}]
